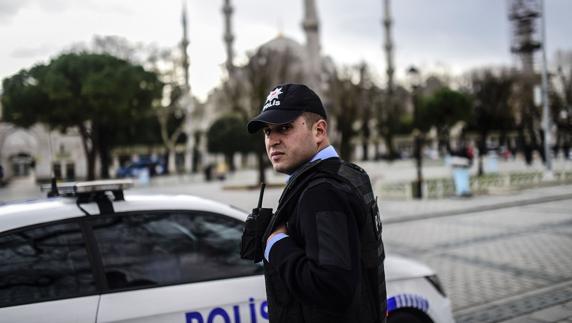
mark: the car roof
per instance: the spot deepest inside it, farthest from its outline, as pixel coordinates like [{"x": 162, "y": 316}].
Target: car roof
[{"x": 16, "y": 215}]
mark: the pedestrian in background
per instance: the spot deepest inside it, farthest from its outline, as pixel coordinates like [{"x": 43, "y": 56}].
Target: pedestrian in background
[{"x": 323, "y": 254}]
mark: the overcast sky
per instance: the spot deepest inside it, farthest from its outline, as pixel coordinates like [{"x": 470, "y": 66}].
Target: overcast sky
[{"x": 451, "y": 35}]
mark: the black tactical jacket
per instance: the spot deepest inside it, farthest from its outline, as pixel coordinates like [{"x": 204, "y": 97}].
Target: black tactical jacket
[{"x": 330, "y": 268}]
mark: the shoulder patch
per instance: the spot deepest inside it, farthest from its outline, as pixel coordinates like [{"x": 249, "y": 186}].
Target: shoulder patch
[{"x": 354, "y": 166}]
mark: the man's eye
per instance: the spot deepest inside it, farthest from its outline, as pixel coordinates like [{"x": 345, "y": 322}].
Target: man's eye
[{"x": 279, "y": 129}]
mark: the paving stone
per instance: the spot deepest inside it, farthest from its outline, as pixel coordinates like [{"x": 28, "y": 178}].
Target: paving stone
[
  {"x": 479, "y": 262},
  {"x": 553, "y": 314},
  {"x": 520, "y": 217},
  {"x": 469, "y": 285},
  {"x": 434, "y": 235},
  {"x": 521, "y": 307},
  {"x": 521, "y": 319},
  {"x": 568, "y": 305},
  {"x": 537, "y": 255},
  {"x": 564, "y": 231}
]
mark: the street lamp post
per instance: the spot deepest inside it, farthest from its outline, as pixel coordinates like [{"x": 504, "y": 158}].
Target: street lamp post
[
  {"x": 545, "y": 111},
  {"x": 419, "y": 163},
  {"x": 417, "y": 135}
]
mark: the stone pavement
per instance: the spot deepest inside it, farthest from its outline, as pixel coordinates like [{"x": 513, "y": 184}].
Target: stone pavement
[
  {"x": 539, "y": 306},
  {"x": 497, "y": 264},
  {"x": 560, "y": 313}
]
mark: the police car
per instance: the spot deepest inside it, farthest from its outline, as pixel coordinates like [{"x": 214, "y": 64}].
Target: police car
[{"x": 90, "y": 253}]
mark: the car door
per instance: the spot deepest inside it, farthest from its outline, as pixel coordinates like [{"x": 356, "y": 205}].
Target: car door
[
  {"x": 46, "y": 276},
  {"x": 177, "y": 266}
]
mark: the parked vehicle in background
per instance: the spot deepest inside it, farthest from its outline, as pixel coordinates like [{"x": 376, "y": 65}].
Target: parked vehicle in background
[{"x": 133, "y": 169}]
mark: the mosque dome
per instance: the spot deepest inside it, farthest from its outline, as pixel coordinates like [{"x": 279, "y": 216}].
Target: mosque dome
[{"x": 282, "y": 43}]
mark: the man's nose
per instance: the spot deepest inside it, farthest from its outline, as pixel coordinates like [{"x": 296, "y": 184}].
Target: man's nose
[{"x": 273, "y": 138}]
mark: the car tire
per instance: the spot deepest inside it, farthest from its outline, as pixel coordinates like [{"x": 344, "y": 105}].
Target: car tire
[{"x": 403, "y": 316}]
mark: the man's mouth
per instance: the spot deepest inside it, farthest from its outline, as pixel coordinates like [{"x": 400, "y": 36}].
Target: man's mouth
[{"x": 276, "y": 155}]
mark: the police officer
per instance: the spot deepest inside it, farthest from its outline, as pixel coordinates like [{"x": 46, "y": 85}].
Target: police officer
[{"x": 323, "y": 255}]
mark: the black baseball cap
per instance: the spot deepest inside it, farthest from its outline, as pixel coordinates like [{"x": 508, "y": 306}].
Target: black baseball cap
[{"x": 285, "y": 103}]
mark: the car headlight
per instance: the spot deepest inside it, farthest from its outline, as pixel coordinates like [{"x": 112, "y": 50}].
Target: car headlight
[{"x": 434, "y": 280}]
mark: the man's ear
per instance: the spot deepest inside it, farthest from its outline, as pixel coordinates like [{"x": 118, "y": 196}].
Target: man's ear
[{"x": 321, "y": 128}]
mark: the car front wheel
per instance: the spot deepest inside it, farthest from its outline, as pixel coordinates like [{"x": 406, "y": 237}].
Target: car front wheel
[{"x": 405, "y": 316}]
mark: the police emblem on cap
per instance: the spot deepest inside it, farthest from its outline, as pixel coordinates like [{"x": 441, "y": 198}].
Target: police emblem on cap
[
  {"x": 284, "y": 104},
  {"x": 272, "y": 98}
]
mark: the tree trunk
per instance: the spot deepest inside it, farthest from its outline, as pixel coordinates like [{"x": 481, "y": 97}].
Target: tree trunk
[
  {"x": 366, "y": 134},
  {"x": 535, "y": 142},
  {"x": 558, "y": 143},
  {"x": 104, "y": 152},
  {"x": 172, "y": 162},
  {"x": 197, "y": 159},
  {"x": 105, "y": 160},
  {"x": 482, "y": 151},
  {"x": 365, "y": 149},
  {"x": 566, "y": 147},
  {"x": 230, "y": 162},
  {"x": 539, "y": 146},
  {"x": 503, "y": 141},
  {"x": 447, "y": 145},
  {"x": 261, "y": 167},
  {"x": 89, "y": 151},
  {"x": 170, "y": 141},
  {"x": 524, "y": 146},
  {"x": 388, "y": 138},
  {"x": 345, "y": 149},
  {"x": 441, "y": 142}
]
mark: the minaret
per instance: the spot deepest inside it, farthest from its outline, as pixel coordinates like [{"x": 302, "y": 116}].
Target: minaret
[
  {"x": 186, "y": 100},
  {"x": 184, "y": 46},
  {"x": 311, "y": 28},
  {"x": 227, "y": 10},
  {"x": 387, "y": 22}
]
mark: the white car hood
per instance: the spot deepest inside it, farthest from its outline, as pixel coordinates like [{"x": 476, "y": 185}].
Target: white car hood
[{"x": 398, "y": 267}]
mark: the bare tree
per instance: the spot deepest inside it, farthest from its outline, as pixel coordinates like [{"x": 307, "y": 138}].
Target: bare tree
[
  {"x": 172, "y": 111},
  {"x": 391, "y": 116},
  {"x": 492, "y": 109},
  {"x": 561, "y": 101},
  {"x": 365, "y": 84},
  {"x": 527, "y": 116},
  {"x": 345, "y": 97}
]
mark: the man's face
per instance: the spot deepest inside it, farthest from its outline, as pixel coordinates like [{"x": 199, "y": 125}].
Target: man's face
[{"x": 290, "y": 145}]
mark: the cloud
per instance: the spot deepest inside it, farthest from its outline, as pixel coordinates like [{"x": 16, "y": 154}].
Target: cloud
[
  {"x": 31, "y": 52},
  {"x": 9, "y": 8},
  {"x": 115, "y": 7},
  {"x": 53, "y": 5}
]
